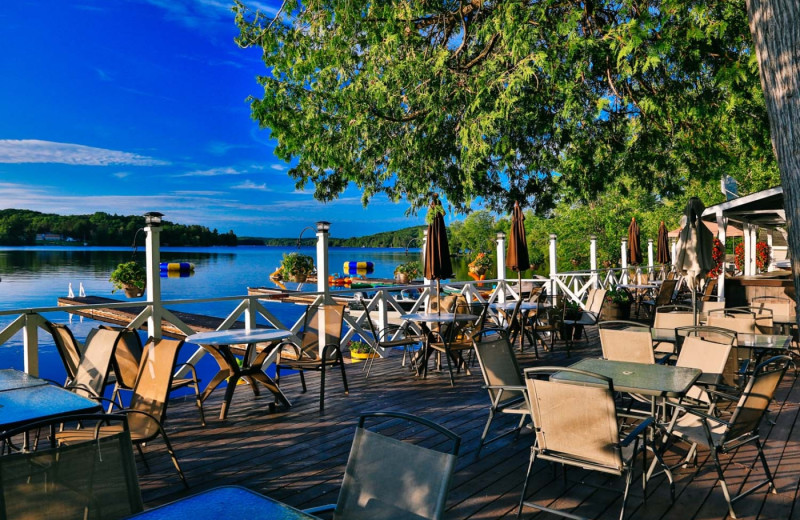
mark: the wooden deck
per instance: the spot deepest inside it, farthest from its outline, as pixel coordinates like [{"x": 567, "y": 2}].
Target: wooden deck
[{"x": 298, "y": 456}]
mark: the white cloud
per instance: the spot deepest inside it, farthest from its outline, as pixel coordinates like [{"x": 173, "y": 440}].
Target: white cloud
[
  {"x": 199, "y": 13},
  {"x": 213, "y": 172},
  {"x": 279, "y": 167},
  {"x": 18, "y": 151},
  {"x": 121, "y": 175},
  {"x": 250, "y": 185}
]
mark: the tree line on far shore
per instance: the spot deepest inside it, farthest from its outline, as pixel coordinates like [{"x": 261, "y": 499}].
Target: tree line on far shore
[{"x": 21, "y": 227}]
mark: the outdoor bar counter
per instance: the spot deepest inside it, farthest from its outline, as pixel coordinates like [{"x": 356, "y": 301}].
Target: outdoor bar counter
[{"x": 740, "y": 290}]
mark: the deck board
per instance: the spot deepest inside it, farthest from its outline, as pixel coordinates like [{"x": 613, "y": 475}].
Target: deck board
[{"x": 298, "y": 455}]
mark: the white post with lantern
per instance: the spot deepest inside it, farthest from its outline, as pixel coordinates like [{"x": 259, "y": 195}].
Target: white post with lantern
[
  {"x": 501, "y": 266},
  {"x": 593, "y": 260},
  {"x": 624, "y": 260},
  {"x": 553, "y": 268},
  {"x": 650, "y": 256},
  {"x": 323, "y": 267},
  {"x": 152, "y": 231}
]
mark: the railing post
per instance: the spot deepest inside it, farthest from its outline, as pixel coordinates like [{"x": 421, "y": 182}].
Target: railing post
[
  {"x": 674, "y": 250},
  {"x": 323, "y": 267},
  {"x": 593, "y": 259},
  {"x": 650, "y": 256},
  {"x": 501, "y": 265},
  {"x": 424, "y": 248},
  {"x": 153, "y": 261},
  {"x": 771, "y": 256},
  {"x": 722, "y": 234},
  {"x": 31, "y": 344},
  {"x": 553, "y": 267},
  {"x": 624, "y": 259}
]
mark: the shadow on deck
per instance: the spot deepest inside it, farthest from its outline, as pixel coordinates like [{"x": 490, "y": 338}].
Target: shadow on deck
[{"x": 298, "y": 456}]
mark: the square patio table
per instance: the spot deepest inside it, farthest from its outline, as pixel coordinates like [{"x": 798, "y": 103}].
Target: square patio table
[
  {"x": 637, "y": 378},
  {"x": 224, "y": 502},
  {"x": 218, "y": 344},
  {"x": 36, "y": 400},
  {"x": 423, "y": 318}
]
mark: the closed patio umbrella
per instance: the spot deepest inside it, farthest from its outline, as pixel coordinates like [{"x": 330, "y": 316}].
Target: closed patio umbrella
[
  {"x": 517, "y": 257},
  {"x": 634, "y": 248},
  {"x": 437, "y": 250},
  {"x": 694, "y": 258},
  {"x": 662, "y": 256}
]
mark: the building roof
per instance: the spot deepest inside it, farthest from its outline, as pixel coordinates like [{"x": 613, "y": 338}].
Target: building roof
[{"x": 764, "y": 209}]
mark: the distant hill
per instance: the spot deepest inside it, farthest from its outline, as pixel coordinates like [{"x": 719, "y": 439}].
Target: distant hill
[{"x": 398, "y": 238}]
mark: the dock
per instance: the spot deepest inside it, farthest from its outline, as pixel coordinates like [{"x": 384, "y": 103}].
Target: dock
[{"x": 298, "y": 455}]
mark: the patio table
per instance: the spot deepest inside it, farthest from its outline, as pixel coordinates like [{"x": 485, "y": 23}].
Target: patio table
[
  {"x": 224, "y": 502},
  {"x": 218, "y": 344},
  {"x": 26, "y": 399},
  {"x": 524, "y": 310},
  {"x": 423, "y": 318}
]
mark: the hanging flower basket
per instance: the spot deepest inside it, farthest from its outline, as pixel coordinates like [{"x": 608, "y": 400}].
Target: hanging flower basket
[
  {"x": 763, "y": 252},
  {"x": 480, "y": 264},
  {"x": 718, "y": 255},
  {"x": 132, "y": 291}
]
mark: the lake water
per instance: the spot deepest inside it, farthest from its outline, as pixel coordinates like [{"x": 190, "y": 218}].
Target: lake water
[{"x": 37, "y": 276}]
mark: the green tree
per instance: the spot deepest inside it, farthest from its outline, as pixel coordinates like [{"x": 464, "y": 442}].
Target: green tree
[{"x": 510, "y": 100}]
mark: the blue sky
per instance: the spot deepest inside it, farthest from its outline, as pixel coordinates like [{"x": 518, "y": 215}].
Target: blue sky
[{"x": 127, "y": 106}]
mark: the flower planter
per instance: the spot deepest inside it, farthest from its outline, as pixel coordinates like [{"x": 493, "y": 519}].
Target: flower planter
[
  {"x": 616, "y": 311},
  {"x": 478, "y": 270},
  {"x": 401, "y": 278},
  {"x": 363, "y": 355},
  {"x": 299, "y": 278},
  {"x": 131, "y": 291}
]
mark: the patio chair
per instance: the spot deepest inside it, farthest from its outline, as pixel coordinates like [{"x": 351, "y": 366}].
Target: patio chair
[
  {"x": 722, "y": 436},
  {"x": 671, "y": 317},
  {"x": 92, "y": 480},
  {"x": 547, "y": 320},
  {"x": 452, "y": 339},
  {"x": 739, "y": 321},
  {"x": 385, "y": 338},
  {"x": 386, "y": 478},
  {"x": 315, "y": 352},
  {"x": 666, "y": 294},
  {"x": 148, "y": 404},
  {"x": 710, "y": 357},
  {"x": 69, "y": 349},
  {"x": 734, "y": 369},
  {"x": 91, "y": 375},
  {"x": 127, "y": 358},
  {"x": 626, "y": 341},
  {"x": 590, "y": 316},
  {"x": 561, "y": 410},
  {"x": 763, "y": 315},
  {"x": 503, "y": 380}
]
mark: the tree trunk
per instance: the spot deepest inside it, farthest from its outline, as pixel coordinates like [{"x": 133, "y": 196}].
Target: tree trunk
[{"x": 775, "y": 26}]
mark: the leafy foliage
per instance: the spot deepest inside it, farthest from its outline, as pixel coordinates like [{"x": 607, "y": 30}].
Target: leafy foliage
[
  {"x": 130, "y": 274},
  {"x": 510, "y": 101},
  {"x": 411, "y": 269},
  {"x": 297, "y": 264}
]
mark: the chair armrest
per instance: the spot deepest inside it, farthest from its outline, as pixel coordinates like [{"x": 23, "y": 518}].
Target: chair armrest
[
  {"x": 664, "y": 360},
  {"x": 320, "y": 509},
  {"x": 636, "y": 432},
  {"x": 510, "y": 388},
  {"x": 191, "y": 369},
  {"x": 705, "y": 416},
  {"x": 297, "y": 350}
]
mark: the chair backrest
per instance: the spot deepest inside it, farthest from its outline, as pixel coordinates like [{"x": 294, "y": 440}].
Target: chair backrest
[
  {"x": 499, "y": 365},
  {"x": 95, "y": 364},
  {"x": 69, "y": 349},
  {"x": 708, "y": 356},
  {"x": 665, "y": 292},
  {"x": 152, "y": 385},
  {"x": 127, "y": 356},
  {"x": 94, "y": 480},
  {"x": 730, "y": 372},
  {"x": 672, "y": 317},
  {"x": 326, "y": 317},
  {"x": 446, "y": 303},
  {"x": 626, "y": 341},
  {"x": 778, "y": 305},
  {"x": 386, "y": 478},
  {"x": 708, "y": 291},
  {"x": 763, "y": 316},
  {"x": 741, "y": 323},
  {"x": 595, "y": 300},
  {"x": 561, "y": 412},
  {"x": 756, "y": 397}
]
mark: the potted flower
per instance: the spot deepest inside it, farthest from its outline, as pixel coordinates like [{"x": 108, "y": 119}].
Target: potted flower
[
  {"x": 361, "y": 350},
  {"x": 130, "y": 277},
  {"x": 618, "y": 304},
  {"x": 480, "y": 264},
  {"x": 404, "y": 273},
  {"x": 297, "y": 266},
  {"x": 570, "y": 311}
]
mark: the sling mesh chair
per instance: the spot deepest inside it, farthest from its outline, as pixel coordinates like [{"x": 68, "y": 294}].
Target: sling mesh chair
[
  {"x": 671, "y": 317},
  {"x": 561, "y": 410},
  {"x": 733, "y": 372},
  {"x": 91, "y": 374},
  {"x": 316, "y": 351},
  {"x": 722, "y": 436},
  {"x": 386, "y": 478},
  {"x": 148, "y": 404},
  {"x": 92, "y": 480},
  {"x": 626, "y": 341},
  {"x": 666, "y": 294},
  {"x": 590, "y": 316},
  {"x": 451, "y": 340},
  {"x": 546, "y": 320},
  {"x": 69, "y": 349},
  {"x": 503, "y": 379},
  {"x": 391, "y": 336},
  {"x": 126, "y": 361}
]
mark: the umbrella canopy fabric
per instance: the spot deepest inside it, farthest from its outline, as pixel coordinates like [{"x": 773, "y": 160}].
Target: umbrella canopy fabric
[
  {"x": 437, "y": 250},
  {"x": 634, "y": 248},
  {"x": 695, "y": 243},
  {"x": 517, "y": 257},
  {"x": 730, "y": 231},
  {"x": 663, "y": 256}
]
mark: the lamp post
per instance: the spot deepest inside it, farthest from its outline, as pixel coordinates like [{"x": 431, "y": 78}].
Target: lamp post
[
  {"x": 501, "y": 265},
  {"x": 152, "y": 229},
  {"x": 322, "y": 259}
]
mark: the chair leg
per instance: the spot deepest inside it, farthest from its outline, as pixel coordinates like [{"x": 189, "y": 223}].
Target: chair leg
[
  {"x": 303, "y": 380},
  {"x": 525, "y": 484},
  {"x": 322, "y": 389},
  {"x": 173, "y": 456},
  {"x": 344, "y": 375},
  {"x": 767, "y": 472},
  {"x": 628, "y": 480},
  {"x": 722, "y": 483},
  {"x": 485, "y": 432},
  {"x": 144, "y": 459},
  {"x": 199, "y": 403},
  {"x": 450, "y": 369}
]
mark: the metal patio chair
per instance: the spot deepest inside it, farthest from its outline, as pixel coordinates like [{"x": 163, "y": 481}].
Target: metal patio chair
[
  {"x": 385, "y": 338},
  {"x": 91, "y": 374},
  {"x": 595, "y": 300},
  {"x": 623, "y": 340},
  {"x": 671, "y": 317},
  {"x": 69, "y": 349}
]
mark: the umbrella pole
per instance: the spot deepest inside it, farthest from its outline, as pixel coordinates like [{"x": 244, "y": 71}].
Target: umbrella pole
[
  {"x": 521, "y": 333},
  {"x": 438, "y": 297},
  {"x": 694, "y": 303}
]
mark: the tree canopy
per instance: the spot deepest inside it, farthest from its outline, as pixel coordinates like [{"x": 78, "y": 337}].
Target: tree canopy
[{"x": 532, "y": 101}]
